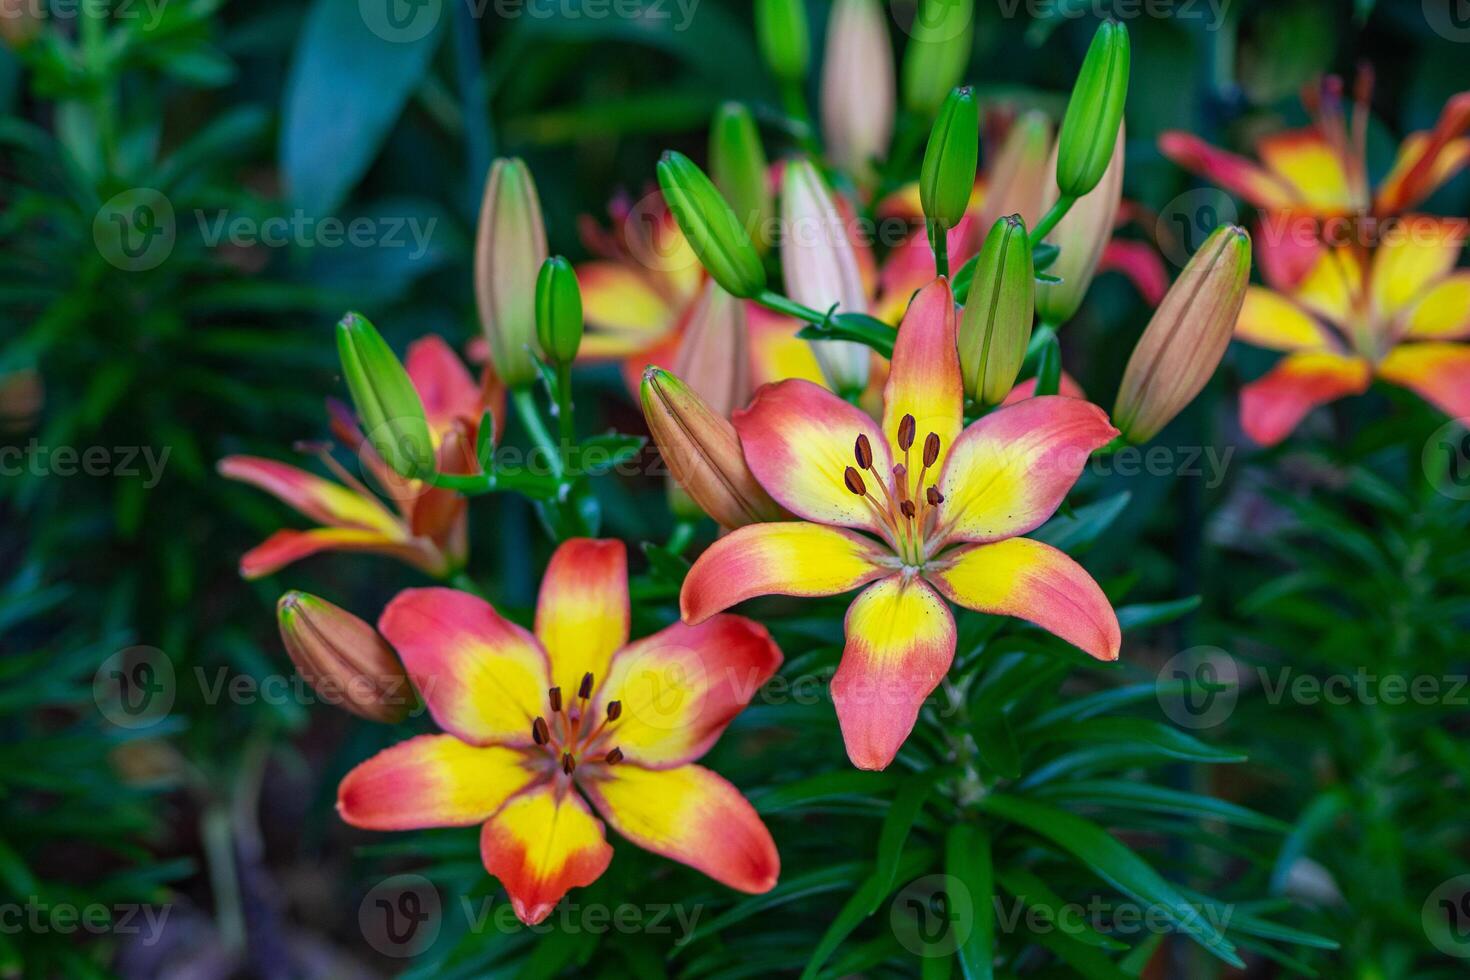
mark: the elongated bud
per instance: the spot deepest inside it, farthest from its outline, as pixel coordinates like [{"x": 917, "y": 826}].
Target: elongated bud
[
  {"x": 702, "y": 451},
  {"x": 948, "y": 174},
  {"x": 388, "y": 406},
  {"x": 558, "y": 310},
  {"x": 1183, "y": 343},
  {"x": 857, "y": 86},
  {"x": 739, "y": 168},
  {"x": 1090, "y": 127},
  {"x": 938, "y": 52},
  {"x": 712, "y": 229},
  {"x": 996, "y": 326},
  {"x": 1016, "y": 181},
  {"x": 510, "y": 246},
  {"x": 1081, "y": 236},
  {"x": 713, "y": 357},
  {"x": 780, "y": 26},
  {"x": 820, "y": 268},
  {"x": 343, "y": 658}
]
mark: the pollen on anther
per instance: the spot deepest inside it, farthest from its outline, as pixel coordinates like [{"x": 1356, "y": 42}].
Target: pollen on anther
[
  {"x": 907, "y": 429},
  {"x": 555, "y": 697},
  {"x": 907, "y": 506},
  {"x": 931, "y": 449},
  {"x": 614, "y": 757},
  {"x": 863, "y": 450},
  {"x": 568, "y": 763},
  {"x": 539, "y": 732},
  {"x": 585, "y": 691},
  {"x": 934, "y": 497},
  {"x": 614, "y": 710},
  {"x": 854, "y": 481}
]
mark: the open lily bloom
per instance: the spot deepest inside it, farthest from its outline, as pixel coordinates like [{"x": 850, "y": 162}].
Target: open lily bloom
[
  {"x": 535, "y": 722},
  {"x": 1401, "y": 313},
  {"x": 425, "y": 526},
  {"x": 917, "y": 510}
]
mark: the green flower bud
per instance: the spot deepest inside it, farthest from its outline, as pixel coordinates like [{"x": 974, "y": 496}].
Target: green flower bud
[
  {"x": 996, "y": 326},
  {"x": 938, "y": 52},
  {"x": 388, "y": 406},
  {"x": 558, "y": 310},
  {"x": 780, "y": 26},
  {"x": 738, "y": 164},
  {"x": 948, "y": 176},
  {"x": 1094, "y": 112},
  {"x": 711, "y": 227}
]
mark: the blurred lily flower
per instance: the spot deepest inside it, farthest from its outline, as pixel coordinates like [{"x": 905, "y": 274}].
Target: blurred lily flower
[
  {"x": 343, "y": 658},
  {"x": 1401, "y": 313},
  {"x": 858, "y": 92},
  {"x": 940, "y": 508},
  {"x": 536, "y": 725},
  {"x": 425, "y": 526}
]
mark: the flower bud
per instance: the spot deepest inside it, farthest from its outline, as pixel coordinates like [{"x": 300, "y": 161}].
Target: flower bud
[
  {"x": 938, "y": 52},
  {"x": 714, "y": 358},
  {"x": 393, "y": 420},
  {"x": 509, "y": 249},
  {"x": 857, "y": 86},
  {"x": 558, "y": 310},
  {"x": 1081, "y": 236},
  {"x": 740, "y": 171},
  {"x": 1183, "y": 343},
  {"x": 713, "y": 231},
  {"x": 821, "y": 269},
  {"x": 1018, "y": 179},
  {"x": 780, "y": 26},
  {"x": 948, "y": 175},
  {"x": 344, "y": 659},
  {"x": 1094, "y": 112},
  {"x": 703, "y": 453},
  {"x": 996, "y": 326}
]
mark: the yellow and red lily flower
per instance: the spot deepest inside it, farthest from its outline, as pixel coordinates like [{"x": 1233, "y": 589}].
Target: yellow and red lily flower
[
  {"x": 1400, "y": 312},
  {"x": 425, "y": 526},
  {"x": 915, "y": 511},
  {"x": 538, "y": 724}
]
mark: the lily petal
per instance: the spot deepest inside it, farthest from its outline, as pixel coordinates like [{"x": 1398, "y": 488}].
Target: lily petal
[
  {"x": 1330, "y": 288},
  {"x": 542, "y": 844},
  {"x": 900, "y": 642},
  {"x": 1038, "y": 583},
  {"x": 1422, "y": 251},
  {"x": 786, "y": 558},
  {"x": 1426, "y": 160},
  {"x": 483, "y": 678},
  {"x": 582, "y": 614},
  {"x": 1270, "y": 320},
  {"x": 287, "y": 546},
  {"x": 1010, "y": 470},
  {"x": 1442, "y": 313},
  {"x": 924, "y": 379},
  {"x": 798, "y": 439},
  {"x": 693, "y": 816},
  {"x": 431, "y": 781},
  {"x": 679, "y": 688},
  {"x": 1273, "y": 405},
  {"x": 1313, "y": 169},
  {"x": 1438, "y": 373},
  {"x": 319, "y": 499},
  {"x": 623, "y": 310},
  {"x": 444, "y": 384},
  {"x": 1236, "y": 174},
  {"x": 1141, "y": 264},
  {"x": 1067, "y": 387}
]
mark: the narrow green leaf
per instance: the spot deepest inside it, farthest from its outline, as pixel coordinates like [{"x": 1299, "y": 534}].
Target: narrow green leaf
[
  {"x": 907, "y": 804},
  {"x": 967, "y": 859}
]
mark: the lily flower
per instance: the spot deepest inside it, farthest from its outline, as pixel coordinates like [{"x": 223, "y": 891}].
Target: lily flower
[
  {"x": 424, "y": 526},
  {"x": 536, "y": 725},
  {"x": 1401, "y": 313},
  {"x": 915, "y": 511}
]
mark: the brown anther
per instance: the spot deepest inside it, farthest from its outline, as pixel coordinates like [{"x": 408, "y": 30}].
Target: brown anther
[
  {"x": 854, "y": 482},
  {"x": 568, "y": 763},
  {"x": 907, "y": 429},
  {"x": 934, "y": 497},
  {"x": 539, "y": 732},
  {"x": 555, "y": 695},
  {"x": 863, "y": 450},
  {"x": 585, "y": 691},
  {"x": 907, "y": 506},
  {"x": 614, "y": 710},
  {"x": 614, "y": 757},
  {"x": 931, "y": 449}
]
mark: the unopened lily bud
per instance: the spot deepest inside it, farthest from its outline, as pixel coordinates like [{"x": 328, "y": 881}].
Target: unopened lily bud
[
  {"x": 343, "y": 658},
  {"x": 1081, "y": 236},
  {"x": 713, "y": 357},
  {"x": 1094, "y": 112},
  {"x": 739, "y": 168},
  {"x": 388, "y": 405},
  {"x": 857, "y": 86},
  {"x": 938, "y": 52},
  {"x": 948, "y": 175},
  {"x": 996, "y": 326},
  {"x": 712, "y": 229},
  {"x": 558, "y": 310},
  {"x": 702, "y": 451},
  {"x": 821, "y": 270},
  {"x": 509, "y": 249},
  {"x": 1017, "y": 177},
  {"x": 1183, "y": 343},
  {"x": 780, "y": 26}
]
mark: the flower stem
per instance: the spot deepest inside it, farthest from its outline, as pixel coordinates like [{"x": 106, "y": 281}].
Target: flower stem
[
  {"x": 1049, "y": 220},
  {"x": 530, "y": 417},
  {"x": 939, "y": 241},
  {"x": 773, "y": 300}
]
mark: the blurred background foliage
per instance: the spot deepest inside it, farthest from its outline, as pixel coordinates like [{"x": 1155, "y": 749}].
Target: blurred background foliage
[{"x": 1328, "y": 555}]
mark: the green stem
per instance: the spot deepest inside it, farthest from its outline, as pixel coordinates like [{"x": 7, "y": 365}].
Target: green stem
[
  {"x": 683, "y": 533},
  {"x": 939, "y": 241},
  {"x": 793, "y": 100},
  {"x": 564, "y": 414},
  {"x": 772, "y": 300},
  {"x": 464, "y": 583},
  {"x": 1049, "y": 220},
  {"x": 530, "y": 417}
]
